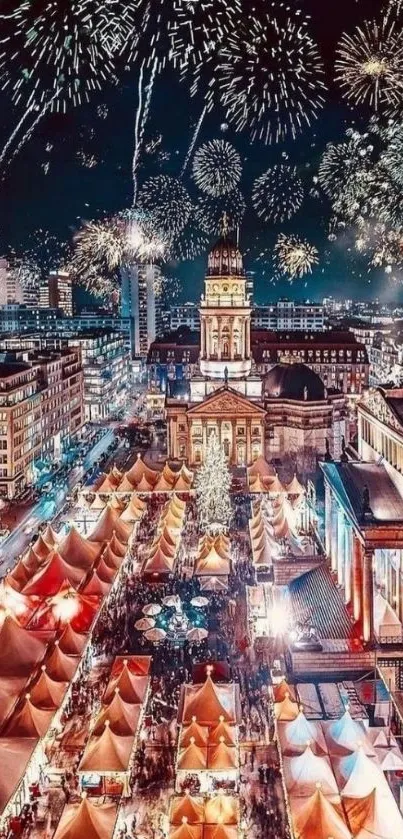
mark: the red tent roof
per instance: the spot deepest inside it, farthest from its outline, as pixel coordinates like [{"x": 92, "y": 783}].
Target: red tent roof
[
  {"x": 59, "y": 666},
  {"x": 70, "y": 642},
  {"x": 122, "y": 717},
  {"x": 132, "y": 688},
  {"x": 187, "y": 807},
  {"x": 15, "y": 752},
  {"x": 52, "y": 576},
  {"x": 46, "y": 693},
  {"x": 109, "y": 523},
  {"x": 87, "y": 821},
  {"x": 95, "y": 585},
  {"x": 139, "y": 665},
  {"x": 209, "y": 702},
  {"x": 20, "y": 651},
  {"x": 78, "y": 551},
  {"x": 41, "y": 548},
  {"x": 29, "y": 721}
]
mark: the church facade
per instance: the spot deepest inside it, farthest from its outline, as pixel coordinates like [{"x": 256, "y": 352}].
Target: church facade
[{"x": 250, "y": 414}]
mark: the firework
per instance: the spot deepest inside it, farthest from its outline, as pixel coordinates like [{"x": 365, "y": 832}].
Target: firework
[
  {"x": 209, "y": 212},
  {"x": 168, "y": 202},
  {"x": 217, "y": 168},
  {"x": 369, "y": 65},
  {"x": 271, "y": 76},
  {"x": 99, "y": 243},
  {"x": 343, "y": 162},
  {"x": 294, "y": 256},
  {"x": 278, "y": 194},
  {"x": 190, "y": 243}
]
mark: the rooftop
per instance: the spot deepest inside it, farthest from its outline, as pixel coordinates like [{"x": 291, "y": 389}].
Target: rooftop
[
  {"x": 327, "y": 338},
  {"x": 351, "y": 481}
]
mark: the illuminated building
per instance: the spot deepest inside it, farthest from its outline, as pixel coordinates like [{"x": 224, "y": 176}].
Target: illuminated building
[{"x": 61, "y": 292}]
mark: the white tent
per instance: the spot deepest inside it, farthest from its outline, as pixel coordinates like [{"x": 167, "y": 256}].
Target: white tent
[
  {"x": 302, "y": 774},
  {"x": 344, "y": 735},
  {"x": 358, "y": 775},
  {"x": 295, "y": 735}
]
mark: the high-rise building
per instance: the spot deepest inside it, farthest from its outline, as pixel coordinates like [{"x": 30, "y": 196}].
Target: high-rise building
[
  {"x": 10, "y": 286},
  {"x": 106, "y": 363},
  {"x": 61, "y": 291},
  {"x": 44, "y": 294},
  {"x": 285, "y": 314},
  {"x": 141, "y": 294}
]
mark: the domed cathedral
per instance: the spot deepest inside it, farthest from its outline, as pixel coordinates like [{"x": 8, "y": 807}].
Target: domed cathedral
[{"x": 288, "y": 410}]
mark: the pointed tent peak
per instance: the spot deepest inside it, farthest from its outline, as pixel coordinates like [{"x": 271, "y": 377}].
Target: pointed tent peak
[
  {"x": 208, "y": 702},
  {"x": 192, "y": 758},
  {"x": 286, "y": 710},
  {"x": 132, "y": 688},
  {"x": 41, "y": 548},
  {"x": 295, "y": 487},
  {"x": 50, "y": 536},
  {"x": 47, "y": 694},
  {"x": 31, "y": 561},
  {"x": 109, "y": 752},
  {"x": 125, "y": 485},
  {"x": 78, "y": 551},
  {"x": 59, "y": 666},
  {"x": 346, "y": 732},
  {"x": 223, "y": 733},
  {"x": 294, "y": 735},
  {"x": 222, "y": 809},
  {"x": 29, "y": 721},
  {"x": 319, "y": 818},
  {"x": 52, "y": 576},
  {"x": 96, "y": 586},
  {"x": 222, "y": 757},
  {"x": 359, "y": 774},
  {"x": 71, "y": 642},
  {"x": 92, "y": 821},
  {"x": 186, "y": 810},
  {"x": 186, "y": 831},
  {"x": 108, "y": 524},
  {"x": 195, "y": 733},
  {"x": 115, "y": 549},
  {"x": 20, "y": 650}
]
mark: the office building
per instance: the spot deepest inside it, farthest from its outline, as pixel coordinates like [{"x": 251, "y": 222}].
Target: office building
[
  {"x": 11, "y": 291},
  {"x": 61, "y": 291},
  {"x": 106, "y": 366},
  {"x": 185, "y": 315},
  {"x": 141, "y": 305},
  {"x": 289, "y": 315},
  {"x": 21, "y": 319}
]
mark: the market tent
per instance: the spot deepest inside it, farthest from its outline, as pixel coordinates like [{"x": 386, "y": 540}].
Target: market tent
[
  {"x": 303, "y": 773},
  {"x": 123, "y": 717},
  {"x": 281, "y": 689},
  {"x": 193, "y": 758},
  {"x": 52, "y": 576},
  {"x": 125, "y": 485},
  {"x": 31, "y": 561},
  {"x": 15, "y": 753},
  {"x": 223, "y": 733},
  {"x": 132, "y": 688},
  {"x": 59, "y": 666},
  {"x": 318, "y": 818},
  {"x": 87, "y": 821},
  {"x": 261, "y": 467},
  {"x": 357, "y": 774},
  {"x": 293, "y": 736},
  {"x": 220, "y": 831},
  {"x": 386, "y": 621},
  {"x": 199, "y": 734},
  {"x": 107, "y": 485},
  {"x": 208, "y": 702},
  {"x": 214, "y": 584},
  {"x": 20, "y": 651},
  {"x": 105, "y": 572},
  {"x": 286, "y": 710},
  {"x": 29, "y": 721},
  {"x": 374, "y": 816},
  {"x": 114, "y": 553},
  {"x": 222, "y": 809},
  {"x": 108, "y": 524},
  {"x": 345, "y": 734},
  {"x": 163, "y": 484},
  {"x": 295, "y": 488},
  {"x": 390, "y": 760},
  {"x": 95, "y": 585},
  {"x": 381, "y": 737},
  {"x": 187, "y": 807},
  {"x": 158, "y": 563},
  {"x": 46, "y": 693},
  {"x": 71, "y": 642},
  {"x": 212, "y": 565},
  {"x": 138, "y": 665},
  {"x": 98, "y": 503},
  {"x": 41, "y": 548},
  {"x": 186, "y": 831},
  {"x": 10, "y": 691},
  {"x": 182, "y": 485},
  {"x": 107, "y": 753},
  {"x": 116, "y": 503},
  {"x": 134, "y": 510},
  {"x": 140, "y": 470},
  {"x": 222, "y": 758},
  {"x": 78, "y": 551}
]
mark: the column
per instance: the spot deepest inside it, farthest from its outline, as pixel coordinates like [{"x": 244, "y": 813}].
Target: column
[
  {"x": 368, "y": 596},
  {"x": 219, "y": 348},
  {"x": 357, "y": 578},
  {"x": 231, "y": 339},
  {"x": 328, "y": 520},
  {"x": 209, "y": 337},
  {"x": 202, "y": 338},
  {"x": 247, "y": 331},
  {"x": 341, "y": 558},
  {"x": 347, "y": 563},
  {"x": 334, "y": 539},
  {"x": 204, "y": 426},
  {"x": 234, "y": 451},
  {"x": 248, "y": 443}
]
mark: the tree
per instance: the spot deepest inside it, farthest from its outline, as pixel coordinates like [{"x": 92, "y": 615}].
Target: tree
[{"x": 213, "y": 483}]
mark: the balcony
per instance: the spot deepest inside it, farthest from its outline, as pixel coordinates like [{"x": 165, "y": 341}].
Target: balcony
[{"x": 225, "y": 301}]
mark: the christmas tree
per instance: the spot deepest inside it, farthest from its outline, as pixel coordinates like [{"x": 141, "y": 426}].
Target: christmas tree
[{"x": 213, "y": 483}]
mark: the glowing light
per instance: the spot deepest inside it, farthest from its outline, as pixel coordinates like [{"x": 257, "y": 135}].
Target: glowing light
[
  {"x": 217, "y": 168},
  {"x": 369, "y": 65},
  {"x": 295, "y": 257},
  {"x": 168, "y": 202}
]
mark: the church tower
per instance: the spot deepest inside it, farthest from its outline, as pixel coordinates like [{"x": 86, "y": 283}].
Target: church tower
[{"x": 225, "y": 315}]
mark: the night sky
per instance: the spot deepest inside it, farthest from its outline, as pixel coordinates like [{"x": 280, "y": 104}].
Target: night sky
[{"x": 55, "y": 201}]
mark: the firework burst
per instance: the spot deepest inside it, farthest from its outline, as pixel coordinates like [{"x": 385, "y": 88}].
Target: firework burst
[
  {"x": 369, "y": 65},
  {"x": 209, "y": 212},
  {"x": 294, "y": 256},
  {"x": 271, "y": 76},
  {"x": 190, "y": 243},
  {"x": 278, "y": 194},
  {"x": 343, "y": 162},
  {"x": 217, "y": 168},
  {"x": 168, "y": 202}
]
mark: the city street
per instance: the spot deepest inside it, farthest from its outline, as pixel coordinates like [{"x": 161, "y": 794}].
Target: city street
[{"x": 48, "y": 506}]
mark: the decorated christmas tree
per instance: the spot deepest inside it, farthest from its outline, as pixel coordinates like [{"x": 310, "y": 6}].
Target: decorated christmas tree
[{"x": 213, "y": 483}]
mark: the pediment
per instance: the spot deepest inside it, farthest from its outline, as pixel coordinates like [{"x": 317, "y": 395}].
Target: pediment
[
  {"x": 376, "y": 403},
  {"x": 229, "y": 403}
]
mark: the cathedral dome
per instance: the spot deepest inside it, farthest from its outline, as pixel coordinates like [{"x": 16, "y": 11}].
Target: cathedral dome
[
  {"x": 225, "y": 259},
  {"x": 293, "y": 381}
]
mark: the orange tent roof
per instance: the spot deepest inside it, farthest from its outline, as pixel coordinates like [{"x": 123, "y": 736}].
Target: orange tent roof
[
  {"x": 286, "y": 710},
  {"x": 260, "y": 466},
  {"x": 50, "y": 536},
  {"x": 208, "y": 702},
  {"x": 186, "y": 831},
  {"x": 105, "y": 572},
  {"x": 29, "y": 721},
  {"x": 70, "y": 642},
  {"x": 31, "y": 561},
  {"x": 144, "y": 485},
  {"x": 123, "y": 717},
  {"x": 223, "y": 730},
  {"x": 78, "y": 551},
  {"x": 318, "y": 818},
  {"x": 87, "y": 821},
  {"x": 295, "y": 488},
  {"x": 125, "y": 485},
  {"x": 109, "y": 523},
  {"x": 107, "y": 485},
  {"x": 132, "y": 513},
  {"x": 15, "y": 753},
  {"x": 187, "y": 807},
  {"x": 107, "y": 753},
  {"x": 18, "y": 577},
  {"x": 116, "y": 548},
  {"x": 132, "y": 688},
  {"x": 182, "y": 484},
  {"x": 59, "y": 666},
  {"x": 140, "y": 470},
  {"x": 46, "y": 693},
  {"x": 20, "y": 651},
  {"x": 198, "y": 733},
  {"x": 10, "y": 691},
  {"x": 41, "y": 548},
  {"x": 222, "y": 809},
  {"x": 193, "y": 758},
  {"x": 163, "y": 485},
  {"x": 282, "y": 690},
  {"x": 374, "y": 816},
  {"x": 169, "y": 474},
  {"x": 53, "y": 576},
  {"x": 220, "y": 831},
  {"x": 158, "y": 563},
  {"x": 222, "y": 757},
  {"x": 213, "y": 565},
  {"x": 95, "y": 585},
  {"x": 138, "y": 665}
]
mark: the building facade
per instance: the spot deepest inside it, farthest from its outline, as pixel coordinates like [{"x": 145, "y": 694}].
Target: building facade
[
  {"x": 287, "y": 315},
  {"x": 186, "y": 315},
  {"x": 337, "y": 357},
  {"x": 106, "y": 366},
  {"x": 61, "y": 292},
  {"x": 61, "y": 383},
  {"x": 141, "y": 305}
]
